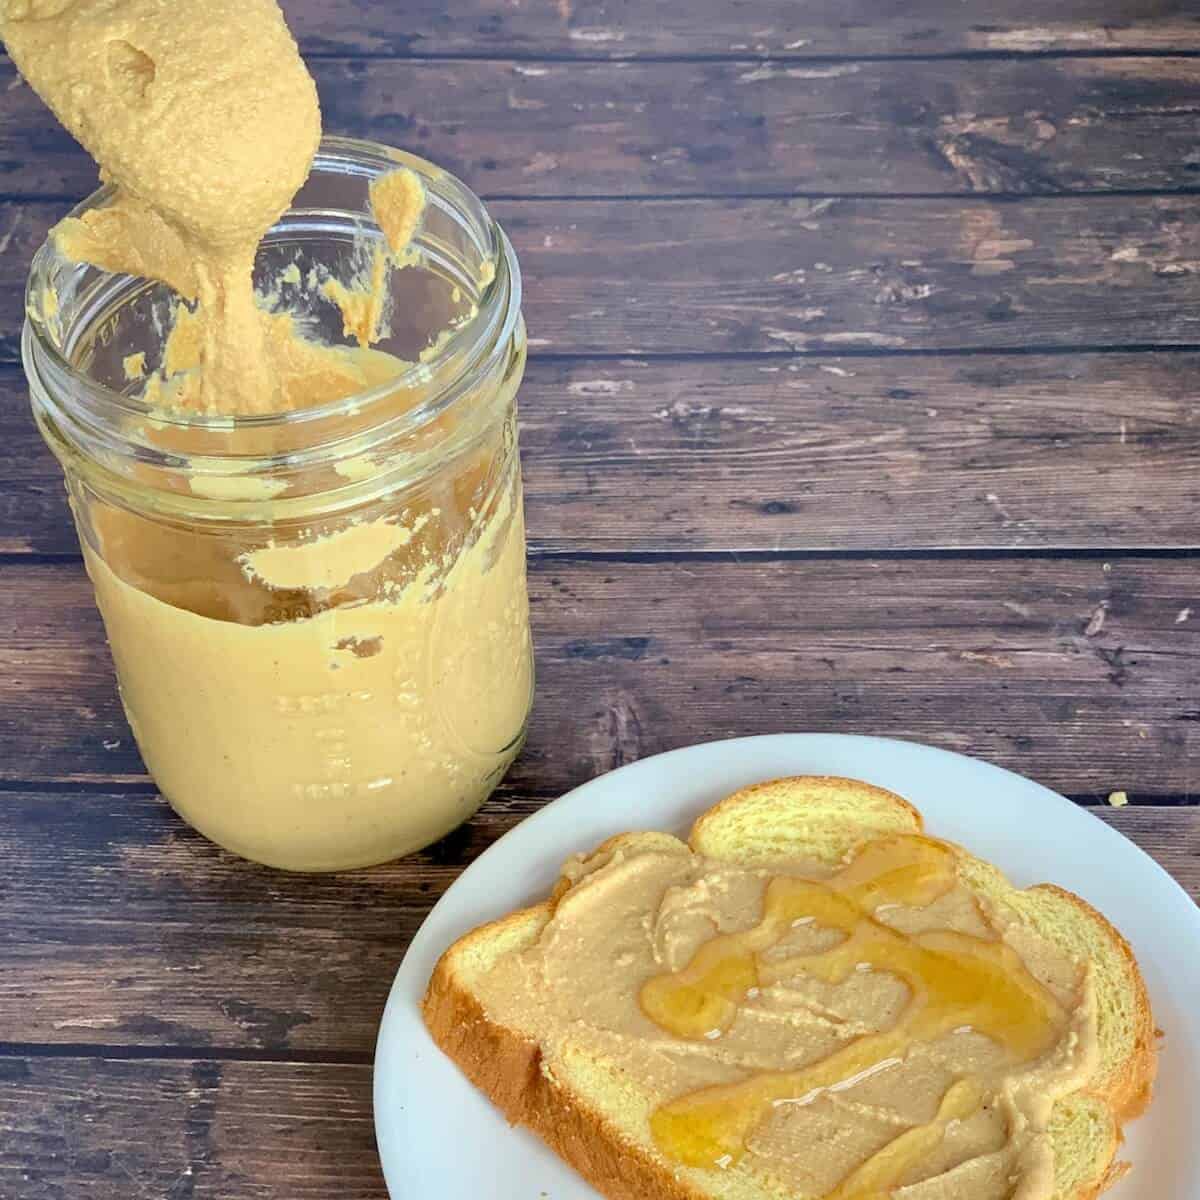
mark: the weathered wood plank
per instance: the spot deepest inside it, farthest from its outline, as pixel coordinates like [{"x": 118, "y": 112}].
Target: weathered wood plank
[
  {"x": 1078, "y": 673},
  {"x": 148, "y": 935},
  {"x": 124, "y": 928},
  {"x": 620, "y": 28},
  {"x": 1032, "y": 126},
  {"x": 860, "y": 274},
  {"x": 661, "y": 276},
  {"x": 184, "y": 1130},
  {"x": 850, "y": 453}
]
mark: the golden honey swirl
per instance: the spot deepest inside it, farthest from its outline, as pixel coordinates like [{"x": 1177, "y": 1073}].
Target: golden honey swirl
[{"x": 953, "y": 980}]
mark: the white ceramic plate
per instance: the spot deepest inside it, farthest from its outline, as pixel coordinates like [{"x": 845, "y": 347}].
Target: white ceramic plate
[{"x": 439, "y": 1138}]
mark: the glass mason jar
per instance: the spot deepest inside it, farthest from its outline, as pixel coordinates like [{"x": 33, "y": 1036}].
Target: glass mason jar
[{"x": 318, "y": 617}]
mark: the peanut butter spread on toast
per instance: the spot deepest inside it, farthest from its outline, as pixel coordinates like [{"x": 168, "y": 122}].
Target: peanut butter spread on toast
[{"x": 839, "y": 1033}]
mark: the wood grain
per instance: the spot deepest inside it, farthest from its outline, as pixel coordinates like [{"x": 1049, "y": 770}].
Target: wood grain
[
  {"x": 126, "y": 929},
  {"x": 864, "y": 274},
  {"x": 157, "y": 1130},
  {"x": 623, "y": 28},
  {"x": 707, "y": 276},
  {"x": 147, "y": 935},
  {"x": 144, "y": 934},
  {"x": 1079, "y": 673},
  {"x": 813, "y": 453},
  {"x": 578, "y": 129},
  {"x": 778, "y": 29}
]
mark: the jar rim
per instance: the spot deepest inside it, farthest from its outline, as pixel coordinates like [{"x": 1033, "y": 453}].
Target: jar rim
[{"x": 491, "y": 326}]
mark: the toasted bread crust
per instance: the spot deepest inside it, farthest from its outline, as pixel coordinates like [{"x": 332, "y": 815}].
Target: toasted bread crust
[
  {"x": 508, "y": 1070},
  {"x": 1128, "y": 1089}
]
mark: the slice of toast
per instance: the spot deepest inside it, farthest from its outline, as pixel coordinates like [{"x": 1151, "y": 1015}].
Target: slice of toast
[{"x": 594, "y": 1115}]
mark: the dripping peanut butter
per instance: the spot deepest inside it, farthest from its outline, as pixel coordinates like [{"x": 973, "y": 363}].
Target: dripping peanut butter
[
  {"x": 838, "y": 1033},
  {"x": 205, "y": 119}
]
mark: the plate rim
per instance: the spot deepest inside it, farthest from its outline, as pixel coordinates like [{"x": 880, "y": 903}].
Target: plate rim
[{"x": 388, "y": 1044}]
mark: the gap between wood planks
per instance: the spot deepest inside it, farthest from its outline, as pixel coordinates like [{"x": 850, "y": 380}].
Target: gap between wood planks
[
  {"x": 688, "y": 197},
  {"x": 348, "y": 1058},
  {"x": 1064, "y": 350},
  {"x": 539, "y": 554},
  {"x": 659, "y": 357},
  {"x": 20, "y": 198},
  {"x": 734, "y": 56},
  {"x": 146, "y": 787},
  {"x": 748, "y": 55}
]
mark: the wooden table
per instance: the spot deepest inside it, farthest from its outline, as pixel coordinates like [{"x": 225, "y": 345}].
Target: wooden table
[{"x": 863, "y": 396}]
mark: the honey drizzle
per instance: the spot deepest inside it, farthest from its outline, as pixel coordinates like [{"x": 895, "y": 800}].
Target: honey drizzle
[
  {"x": 954, "y": 980},
  {"x": 886, "y": 1168}
]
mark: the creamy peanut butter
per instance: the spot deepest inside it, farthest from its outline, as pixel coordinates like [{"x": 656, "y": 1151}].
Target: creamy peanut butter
[
  {"x": 348, "y": 737},
  {"x": 833, "y": 1033},
  {"x": 328, "y": 697}
]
